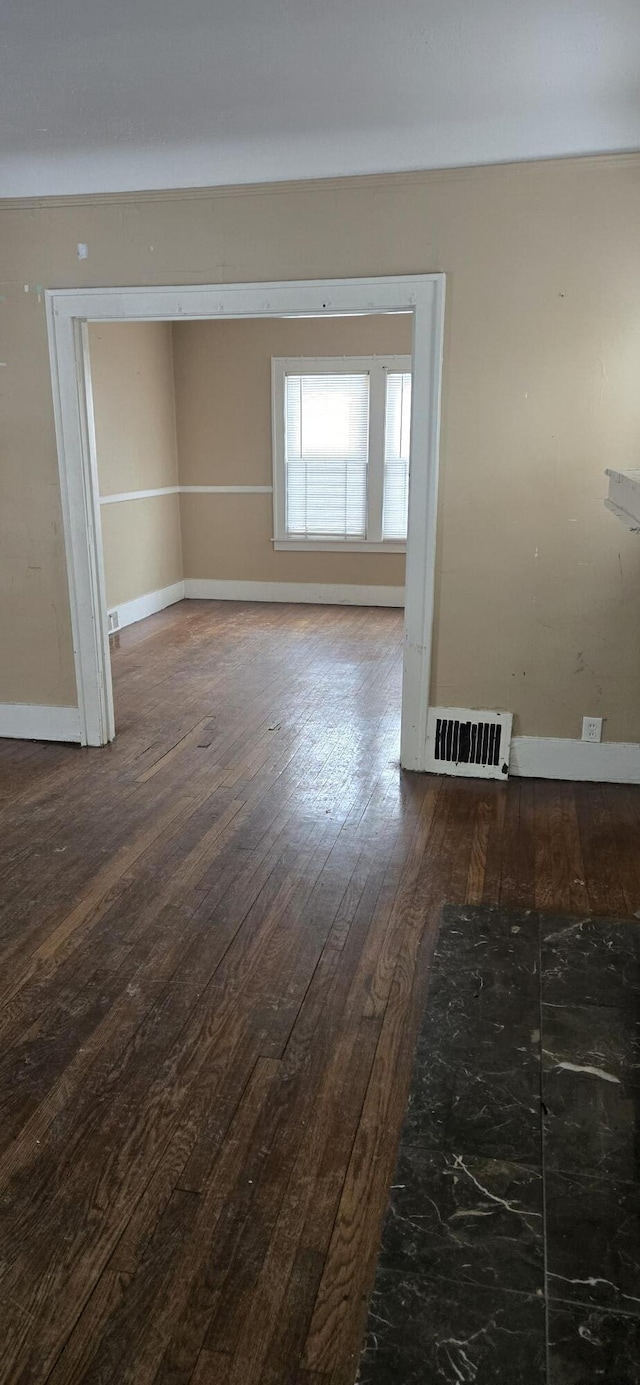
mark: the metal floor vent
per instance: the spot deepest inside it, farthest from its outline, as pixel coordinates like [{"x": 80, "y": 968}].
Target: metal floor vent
[{"x": 474, "y": 744}]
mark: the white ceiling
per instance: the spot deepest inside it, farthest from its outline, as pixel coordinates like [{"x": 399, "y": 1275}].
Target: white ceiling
[{"x": 106, "y": 95}]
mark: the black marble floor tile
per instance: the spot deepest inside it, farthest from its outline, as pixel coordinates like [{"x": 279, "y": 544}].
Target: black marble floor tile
[
  {"x": 587, "y": 1345},
  {"x": 528, "y": 1061},
  {"x": 591, "y": 1090},
  {"x": 487, "y": 950},
  {"x": 422, "y": 1333},
  {"x": 476, "y": 1083},
  {"x": 483, "y": 1030},
  {"x": 492, "y": 1113},
  {"x": 604, "y": 1038},
  {"x": 593, "y": 1241},
  {"x": 456, "y": 1217},
  {"x": 590, "y": 962}
]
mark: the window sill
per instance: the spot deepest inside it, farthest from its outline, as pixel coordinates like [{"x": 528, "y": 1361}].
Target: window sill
[{"x": 337, "y": 546}]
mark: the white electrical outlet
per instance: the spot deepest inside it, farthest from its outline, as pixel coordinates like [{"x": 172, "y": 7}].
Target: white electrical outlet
[{"x": 592, "y": 729}]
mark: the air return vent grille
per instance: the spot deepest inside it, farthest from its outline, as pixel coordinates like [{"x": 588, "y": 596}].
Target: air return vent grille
[{"x": 460, "y": 741}]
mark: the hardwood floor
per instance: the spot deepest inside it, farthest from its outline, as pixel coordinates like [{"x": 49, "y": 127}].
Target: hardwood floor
[{"x": 214, "y": 941}]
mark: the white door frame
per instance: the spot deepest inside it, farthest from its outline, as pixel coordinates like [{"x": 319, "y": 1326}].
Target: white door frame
[{"x": 69, "y": 311}]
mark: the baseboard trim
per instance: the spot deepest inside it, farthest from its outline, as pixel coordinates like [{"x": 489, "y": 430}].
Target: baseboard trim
[
  {"x": 532, "y": 757},
  {"x": 307, "y": 593},
  {"x": 609, "y": 762},
  {"x": 142, "y": 606},
  {"x": 26, "y": 722}
]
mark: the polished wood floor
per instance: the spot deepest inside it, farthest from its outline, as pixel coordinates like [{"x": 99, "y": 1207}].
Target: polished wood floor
[{"x": 215, "y": 937}]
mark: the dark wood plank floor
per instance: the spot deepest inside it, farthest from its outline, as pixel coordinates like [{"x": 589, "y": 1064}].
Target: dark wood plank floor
[{"x": 214, "y": 942}]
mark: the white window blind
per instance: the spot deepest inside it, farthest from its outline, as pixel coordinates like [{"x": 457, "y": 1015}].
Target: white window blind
[
  {"x": 397, "y": 433},
  {"x": 326, "y": 454}
]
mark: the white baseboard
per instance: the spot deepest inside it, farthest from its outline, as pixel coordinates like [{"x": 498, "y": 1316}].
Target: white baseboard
[
  {"x": 25, "y": 722},
  {"x": 141, "y": 606},
  {"x": 608, "y": 762},
  {"x": 535, "y": 757},
  {"x": 214, "y": 589},
  {"x": 310, "y": 593}
]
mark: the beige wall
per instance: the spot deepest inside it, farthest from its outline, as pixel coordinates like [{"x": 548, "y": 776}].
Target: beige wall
[
  {"x": 538, "y": 601},
  {"x": 142, "y": 547},
  {"x": 135, "y": 427},
  {"x": 211, "y": 529},
  {"x": 223, "y": 411}
]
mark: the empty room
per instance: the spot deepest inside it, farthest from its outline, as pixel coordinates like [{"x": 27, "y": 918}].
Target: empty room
[
  {"x": 261, "y": 460},
  {"x": 320, "y": 694}
]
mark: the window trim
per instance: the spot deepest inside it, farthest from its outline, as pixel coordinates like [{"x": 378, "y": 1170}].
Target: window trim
[{"x": 376, "y": 367}]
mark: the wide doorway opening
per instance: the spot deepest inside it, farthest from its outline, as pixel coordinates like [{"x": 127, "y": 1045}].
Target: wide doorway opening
[
  {"x": 285, "y": 456},
  {"x": 260, "y": 461}
]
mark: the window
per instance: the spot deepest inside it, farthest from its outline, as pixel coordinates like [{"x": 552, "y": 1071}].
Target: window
[
  {"x": 341, "y": 431},
  {"x": 397, "y": 433}
]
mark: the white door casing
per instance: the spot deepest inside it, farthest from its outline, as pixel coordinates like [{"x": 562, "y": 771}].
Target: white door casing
[{"x": 69, "y": 311}]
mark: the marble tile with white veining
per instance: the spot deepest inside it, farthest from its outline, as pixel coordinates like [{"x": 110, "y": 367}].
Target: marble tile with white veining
[
  {"x": 476, "y": 1078},
  {"x": 511, "y": 1081},
  {"x": 587, "y": 1345},
  {"x": 593, "y": 1241},
  {"x": 486, "y": 950},
  {"x": 493, "y": 1113},
  {"x": 603, "y": 1038},
  {"x": 483, "y": 1030},
  {"x": 591, "y": 1090},
  {"x": 420, "y": 1333},
  {"x": 454, "y": 1216},
  {"x": 590, "y": 961}
]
